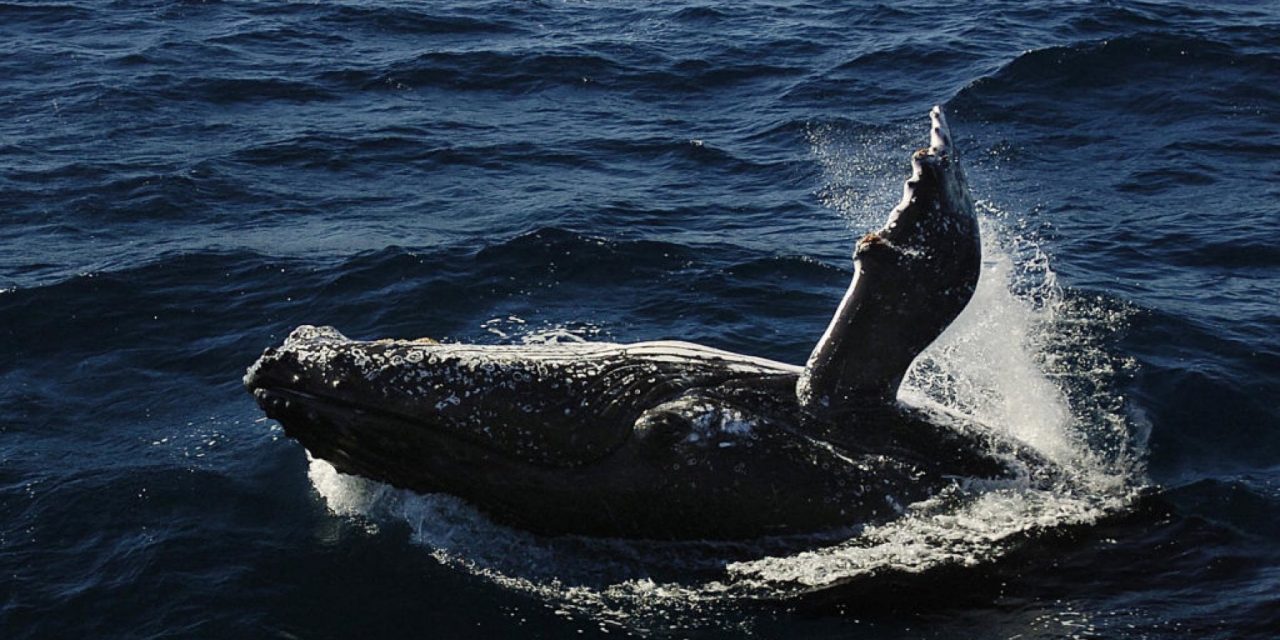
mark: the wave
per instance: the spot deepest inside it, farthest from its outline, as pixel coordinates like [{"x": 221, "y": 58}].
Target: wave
[
  {"x": 1249, "y": 504},
  {"x": 455, "y": 288},
  {"x": 50, "y": 14},
  {"x": 409, "y": 21},
  {"x": 233, "y": 90},
  {"x": 599, "y": 65},
  {"x": 896, "y": 77},
  {"x": 126, "y": 542},
  {"x": 1147, "y": 75}
]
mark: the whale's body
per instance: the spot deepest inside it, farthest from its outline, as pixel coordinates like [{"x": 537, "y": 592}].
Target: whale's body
[{"x": 670, "y": 439}]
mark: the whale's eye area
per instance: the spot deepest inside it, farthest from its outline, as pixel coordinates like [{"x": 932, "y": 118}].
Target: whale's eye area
[{"x": 659, "y": 428}]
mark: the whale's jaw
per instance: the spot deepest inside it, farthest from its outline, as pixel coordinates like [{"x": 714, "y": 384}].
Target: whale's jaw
[{"x": 912, "y": 278}]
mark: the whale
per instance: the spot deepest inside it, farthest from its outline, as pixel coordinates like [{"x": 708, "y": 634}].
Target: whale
[{"x": 671, "y": 440}]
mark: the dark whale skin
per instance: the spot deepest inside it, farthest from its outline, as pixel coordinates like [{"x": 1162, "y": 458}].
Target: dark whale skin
[{"x": 672, "y": 440}]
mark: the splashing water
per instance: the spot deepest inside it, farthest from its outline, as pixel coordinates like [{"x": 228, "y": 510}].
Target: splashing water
[
  {"x": 984, "y": 365},
  {"x": 997, "y": 364},
  {"x": 991, "y": 365},
  {"x": 862, "y": 169}
]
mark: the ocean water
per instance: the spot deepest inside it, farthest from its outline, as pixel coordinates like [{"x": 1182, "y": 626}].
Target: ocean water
[{"x": 182, "y": 183}]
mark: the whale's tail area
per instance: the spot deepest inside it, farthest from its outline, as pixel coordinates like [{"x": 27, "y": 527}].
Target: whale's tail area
[{"x": 911, "y": 279}]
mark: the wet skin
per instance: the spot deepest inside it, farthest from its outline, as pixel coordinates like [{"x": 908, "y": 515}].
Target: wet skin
[{"x": 671, "y": 440}]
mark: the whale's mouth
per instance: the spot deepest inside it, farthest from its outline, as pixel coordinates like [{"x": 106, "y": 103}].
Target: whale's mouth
[
  {"x": 362, "y": 440},
  {"x": 319, "y": 407},
  {"x": 323, "y": 422},
  {"x": 284, "y": 405},
  {"x": 298, "y": 410},
  {"x": 340, "y": 432}
]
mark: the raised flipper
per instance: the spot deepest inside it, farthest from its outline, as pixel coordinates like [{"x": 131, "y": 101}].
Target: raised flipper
[{"x": 910, "y": 280}]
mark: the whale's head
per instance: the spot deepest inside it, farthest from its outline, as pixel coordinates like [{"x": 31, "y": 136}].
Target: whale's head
[
  {"x": 310, "y": 365},
  {"x": 319, "y": 380},
  {"x": 412, "y": 413}
]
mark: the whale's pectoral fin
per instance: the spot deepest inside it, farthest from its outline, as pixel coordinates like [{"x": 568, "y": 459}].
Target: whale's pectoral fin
[{"x": 911, "y": 279}]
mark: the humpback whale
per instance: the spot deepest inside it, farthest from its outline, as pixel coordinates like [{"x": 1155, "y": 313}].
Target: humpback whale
[{"x": 668, "y": 439}]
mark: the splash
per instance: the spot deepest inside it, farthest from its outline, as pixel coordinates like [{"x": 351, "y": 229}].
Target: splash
[
  {"x": 996, "y": 364},
  {"x": 1002, "y": 363},
  {"x": 985, "y": 366}
]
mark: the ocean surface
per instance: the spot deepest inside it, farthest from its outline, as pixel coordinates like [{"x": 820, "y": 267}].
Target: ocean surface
[{"x": 183, "y": 182}]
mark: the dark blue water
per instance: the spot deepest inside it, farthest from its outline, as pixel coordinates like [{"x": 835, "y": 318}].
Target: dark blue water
[{"x": 181, "y": 183}]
